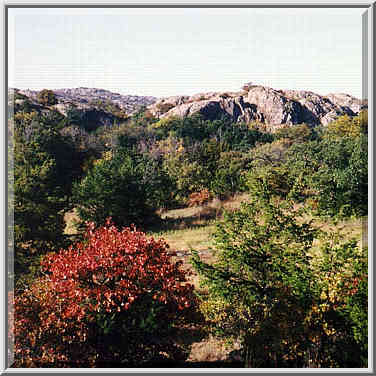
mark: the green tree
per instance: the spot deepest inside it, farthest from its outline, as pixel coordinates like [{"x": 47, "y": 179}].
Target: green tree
[
  {"x": 349, "y": 126},
  {"x": 264, "y": 289},
  {"x": 47, "y": 97},
  {"x": 261, "y": 273},
  {"x": 334, "y": 173},
  {"x": 45, "y": 163},
  {"x": 229, "y": 176},
  {"x": 128, "y": 188}
]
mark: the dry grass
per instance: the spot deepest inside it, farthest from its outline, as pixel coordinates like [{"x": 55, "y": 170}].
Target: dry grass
[
  {"x": 71, "y": 218},
  {"x": 211, "y": 349},
  {"x": 197, "y": 238}
]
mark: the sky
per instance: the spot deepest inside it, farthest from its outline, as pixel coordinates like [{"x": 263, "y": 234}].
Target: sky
[{"x": 163, "y": 52}]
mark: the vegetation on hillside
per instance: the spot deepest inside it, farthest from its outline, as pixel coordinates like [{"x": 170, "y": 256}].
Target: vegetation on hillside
[{"x": 290, "y": 293}]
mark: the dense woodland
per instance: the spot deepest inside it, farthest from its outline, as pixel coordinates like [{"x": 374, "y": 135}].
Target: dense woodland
[{"x": 291, "y": 290}]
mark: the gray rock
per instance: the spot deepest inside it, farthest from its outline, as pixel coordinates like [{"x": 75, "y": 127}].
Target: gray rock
[
  {"x": 273, "y": 107},
  {"x": 347, "y": 101},
  {"x": 84, "y": 95}
]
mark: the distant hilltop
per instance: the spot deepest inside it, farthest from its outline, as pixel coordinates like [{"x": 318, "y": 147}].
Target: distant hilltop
[
  {"x": 252, "y": 103},
  {"x": 84, "y": 97},
  {"x": 263, "y": 104}
]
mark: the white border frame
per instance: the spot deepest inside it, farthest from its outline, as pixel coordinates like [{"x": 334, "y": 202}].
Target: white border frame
[{"x": 370, "y": 8}]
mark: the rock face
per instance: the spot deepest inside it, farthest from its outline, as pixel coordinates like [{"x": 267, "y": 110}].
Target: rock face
[
  {"x": 253, "y": 103},
  {"x": 84, "y": 96},
  {"x": 262, "y": 104}
]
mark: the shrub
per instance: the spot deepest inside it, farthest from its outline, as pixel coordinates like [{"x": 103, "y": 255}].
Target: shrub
[
  {"x": 47, "y": 97},
  {"x": 295, "y": 133},
  {"x": 199, "y": 198},
  {"x": 45, "y": 164},
  {"x": 164, "y": 107},
  {"x": 112, "y": 298},
  {"x": 349, "y": 126},
  {"x": 127, "y": 187},
  {"x": 265, "y": 289},
  {"x": 336, "y": 171}
]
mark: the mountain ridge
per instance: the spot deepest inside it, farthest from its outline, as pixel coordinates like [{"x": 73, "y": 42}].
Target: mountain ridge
[
  {"x": 262, "y": 104},
  {"x": 83, "y": 96},
  {"x": 273, "y": 107}
]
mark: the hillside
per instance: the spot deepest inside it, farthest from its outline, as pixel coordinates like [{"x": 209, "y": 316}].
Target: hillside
[
  {"x": 84, "y": 97},
  {"x": 252, "y": 103},
  {"x": 262, "y": 104}
]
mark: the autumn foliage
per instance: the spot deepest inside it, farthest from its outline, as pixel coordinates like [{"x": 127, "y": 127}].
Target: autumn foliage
[
  {"x": 199, "y": 198},
  {"x": 108, "y": 299}
]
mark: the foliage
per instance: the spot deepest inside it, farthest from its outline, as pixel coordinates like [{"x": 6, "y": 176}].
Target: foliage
[
  {"x": 269, "y": 166},
  {"x": 127, "y": 187},
  {"x": 296, "y": 133},
  {"x": 110, "y": 107},
  {"x": 341, "y": 311},
  {"x": 273, "y": 154},
  {"x": 88, "y": 119},
  {"x": 264, "y": 289},
  {"x": 335, "y": 173},
  {"x": 199, "y": 198},
  {"x": 47, "y": 97},
  {"x": 205, "y": 165},
  {"x": 184, "y": 170},
  {"x": 194, "y": 128},
  {"x": 143, "y": 118},
  {"x": 346, "y": 126},
  {"x": 230, "y": 174},
  {"x": 164, "y": 107},
  {"x": 329, "y": 173},
  {"x": 112, "y": 298},
  {"x": 45, "y": 163}
]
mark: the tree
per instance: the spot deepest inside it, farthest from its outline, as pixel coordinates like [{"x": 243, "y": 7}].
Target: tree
[
  {"x": 349, "y": 126},
  {"x": 334, "y": 172},
  {"x": 296, "y": 133},
  {"x": 47, "y": 97},
  {"x": 112, "y": 298},
  {"x": 229, "y": 176},
  {"x": 264, "y": 288},
  {"x": 126, "y": 187},
  {"x": 45, "y": 163}
]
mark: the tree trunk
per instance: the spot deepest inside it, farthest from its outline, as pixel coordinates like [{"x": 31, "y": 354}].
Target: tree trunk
[{"x": 247, "y": 356}]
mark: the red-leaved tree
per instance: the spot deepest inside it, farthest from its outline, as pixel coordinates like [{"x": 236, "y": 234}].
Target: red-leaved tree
[{"x": 114, "y": 297}]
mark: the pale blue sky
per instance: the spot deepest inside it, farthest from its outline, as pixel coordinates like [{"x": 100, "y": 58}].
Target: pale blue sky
[{"x": 169, "y": 52}]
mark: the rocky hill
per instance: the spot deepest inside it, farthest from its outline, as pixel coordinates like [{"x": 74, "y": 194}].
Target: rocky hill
[
  {"x": 252, "y": 103},
  {"x": 84, "y": 97},
  {"x": 258, "y": 103}
]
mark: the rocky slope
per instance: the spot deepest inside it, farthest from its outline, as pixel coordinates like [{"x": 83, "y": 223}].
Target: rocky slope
[
  {"x": 263, "y": 104},
  {"x": 83, "y": 97},
  {"x": 253, "y": 103}
]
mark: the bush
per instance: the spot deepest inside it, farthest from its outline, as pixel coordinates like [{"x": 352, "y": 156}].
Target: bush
[
  {"x": 164, "y": 107},
  {"x": 296, "y": 133},
  {"x": 346, "y": 126},
  {"x": 127, "y": 187},
  {"x": 47, "y": 97},
  {"x": 266, "y": 289},
  {"x": 335, "y": 170},
  {"x": 45, "y": 164},
  {"x": 112, "y": 298}
]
